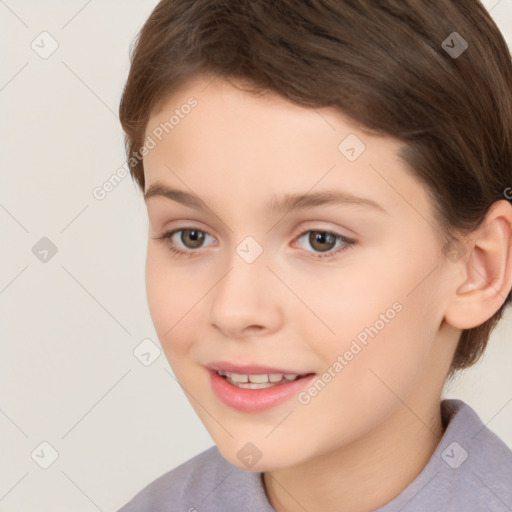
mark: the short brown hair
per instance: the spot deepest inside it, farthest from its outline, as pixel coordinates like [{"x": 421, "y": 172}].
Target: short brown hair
[{"x": 383, "y": 64}]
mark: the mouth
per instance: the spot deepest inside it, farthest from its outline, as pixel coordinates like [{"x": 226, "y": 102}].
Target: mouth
[
  {"x": 251, "y": 388},
  {"x": 259, "y": 381}
]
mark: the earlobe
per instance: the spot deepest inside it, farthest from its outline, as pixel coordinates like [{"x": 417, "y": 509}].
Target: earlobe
[{"x": 487, "y": 270}]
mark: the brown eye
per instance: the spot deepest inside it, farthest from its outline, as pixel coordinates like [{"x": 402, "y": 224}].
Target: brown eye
[
  {"x": 321, "y": 241},
  {"x": 324, "y": 244},
  {"x": 185, "y": 241},
  {"x": 192, "y": 238}
]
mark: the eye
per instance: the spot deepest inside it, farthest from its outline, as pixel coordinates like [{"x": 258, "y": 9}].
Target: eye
[
  {"x": 188, "y": 239},
  {"x": 325, "y": 243}
]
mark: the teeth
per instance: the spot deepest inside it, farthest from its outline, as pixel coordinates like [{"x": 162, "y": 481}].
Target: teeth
[
  {"x": 257, "y": 381},
  {"x": 251, "y": 385},
  {"x": 237, "y": 377}
]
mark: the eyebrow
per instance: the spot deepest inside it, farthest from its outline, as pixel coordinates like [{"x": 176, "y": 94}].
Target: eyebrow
[{"x": 285, "y": 204}]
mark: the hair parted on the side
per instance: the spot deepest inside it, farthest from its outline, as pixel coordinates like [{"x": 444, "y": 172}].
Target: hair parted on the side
[{"x": 381, "y": 64}]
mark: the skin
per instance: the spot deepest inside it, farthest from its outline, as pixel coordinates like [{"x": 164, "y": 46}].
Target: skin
[{"x": 290, "y": 308}]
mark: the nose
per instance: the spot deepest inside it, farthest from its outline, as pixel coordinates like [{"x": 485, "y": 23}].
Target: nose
[{"x": 246, "y": 301}]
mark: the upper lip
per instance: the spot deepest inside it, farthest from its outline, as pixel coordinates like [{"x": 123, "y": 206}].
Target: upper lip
[{"x": 250, "y": 369}]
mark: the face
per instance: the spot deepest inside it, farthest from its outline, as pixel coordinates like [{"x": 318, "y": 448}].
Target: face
[{"x": 284, "y": 240}]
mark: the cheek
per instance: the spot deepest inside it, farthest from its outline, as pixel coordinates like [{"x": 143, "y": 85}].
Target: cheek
[
  {"x": 385, "y": 325},
  {"x": 383, "y": 361},
  {"x": 170, "y": 295},
  {"x": 374, "y": 379},
  {"x": 156, "y": 286},
  {"x": 351, "y": 295}
]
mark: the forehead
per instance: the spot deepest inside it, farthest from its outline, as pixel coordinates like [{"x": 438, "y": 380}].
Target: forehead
[
  {"x": 258, "y": 145},
  {"x": 228, "y": 106}
]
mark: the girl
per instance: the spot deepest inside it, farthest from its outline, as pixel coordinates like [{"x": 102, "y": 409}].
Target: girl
[{"x": 329, "y": 243}]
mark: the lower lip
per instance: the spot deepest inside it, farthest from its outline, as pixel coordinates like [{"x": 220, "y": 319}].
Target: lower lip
[{"x": 253, "y": 400}]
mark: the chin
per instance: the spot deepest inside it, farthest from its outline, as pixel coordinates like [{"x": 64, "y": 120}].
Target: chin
[{"x": 260, "y": 456}]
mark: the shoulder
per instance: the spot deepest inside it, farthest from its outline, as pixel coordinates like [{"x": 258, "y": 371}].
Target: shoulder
[
  {"x": 199, "y": 482},
  {"x": 173, "y": 486},
  {"x": 471, "y": 468},
  {"x": 479, "y": 462}
]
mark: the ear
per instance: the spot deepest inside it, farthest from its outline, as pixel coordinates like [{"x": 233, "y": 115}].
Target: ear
[{"x": 486, "y": 270}]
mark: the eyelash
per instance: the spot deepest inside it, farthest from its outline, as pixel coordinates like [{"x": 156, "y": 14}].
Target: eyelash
[{"x": 166, "y": 238}]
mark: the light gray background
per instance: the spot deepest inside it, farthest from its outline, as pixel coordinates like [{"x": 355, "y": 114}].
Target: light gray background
[{"x": 68, "y": 374}]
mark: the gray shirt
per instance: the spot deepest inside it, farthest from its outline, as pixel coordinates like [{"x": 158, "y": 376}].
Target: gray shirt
[{"x": 470, "y": 471}]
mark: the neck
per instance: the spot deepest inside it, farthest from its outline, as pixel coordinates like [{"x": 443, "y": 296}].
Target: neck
[{"x": 367, "y": 473}]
